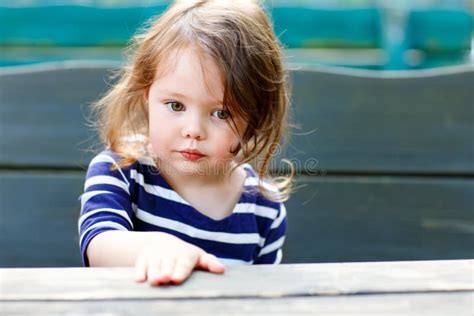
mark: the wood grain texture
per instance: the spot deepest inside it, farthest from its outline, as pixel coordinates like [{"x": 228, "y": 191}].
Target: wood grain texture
[
  {"x": 351, "y": 120},
  {"x": 48, "y": 125},
  {"x": 39, "y": 212},
  {"x": 433, "y": 304},
  {"x": 331, "y": 219},
  {"x": 359, "y": 218},
  {"x": 268, "y": 281},
  {"x": 363, "y": 121}
]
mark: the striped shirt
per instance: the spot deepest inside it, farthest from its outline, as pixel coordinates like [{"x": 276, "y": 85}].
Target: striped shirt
[{"x": 137, "y": 198}]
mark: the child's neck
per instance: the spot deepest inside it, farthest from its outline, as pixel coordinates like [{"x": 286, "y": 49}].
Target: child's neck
[
  {"x": 225, "y": 191},
  {"x": 215, "y": 179}
]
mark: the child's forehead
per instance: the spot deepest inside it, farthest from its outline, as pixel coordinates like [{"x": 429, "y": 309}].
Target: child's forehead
[
  {"x": 191, "y": 62},
  {"x": 189, "y": 72}
]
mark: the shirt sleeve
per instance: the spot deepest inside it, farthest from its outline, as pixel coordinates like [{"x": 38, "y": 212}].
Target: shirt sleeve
[
  {"x": 271, "y": 252},
  {"x": 106, "y": 203}
]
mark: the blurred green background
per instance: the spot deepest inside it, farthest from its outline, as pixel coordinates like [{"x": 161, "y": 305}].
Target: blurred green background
[{"x": 371, "y": 34}]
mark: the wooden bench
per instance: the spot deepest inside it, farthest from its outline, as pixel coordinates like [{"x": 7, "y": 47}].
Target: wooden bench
[
  {"x": 385, "y": 163},
  {"x": 435, "y": 288}
]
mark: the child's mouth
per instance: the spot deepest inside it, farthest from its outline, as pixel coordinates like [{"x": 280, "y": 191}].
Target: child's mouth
[{"x": 191, "y": 154}]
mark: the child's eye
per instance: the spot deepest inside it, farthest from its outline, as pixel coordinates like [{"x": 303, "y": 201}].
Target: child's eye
[
  {"x": 175, "y": 106},
  {"x": 221, "y": 114}
]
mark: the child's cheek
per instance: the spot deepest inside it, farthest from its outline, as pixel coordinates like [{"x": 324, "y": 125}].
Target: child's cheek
[{"x": 226, "y": 144}]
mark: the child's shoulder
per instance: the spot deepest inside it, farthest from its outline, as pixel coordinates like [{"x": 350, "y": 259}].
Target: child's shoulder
[
  {"x": 254, "y": 185},
  {"x": 110, "y": 158}
]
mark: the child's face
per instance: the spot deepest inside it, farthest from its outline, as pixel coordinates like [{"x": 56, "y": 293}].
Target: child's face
[{"x": 188, "y": 128}]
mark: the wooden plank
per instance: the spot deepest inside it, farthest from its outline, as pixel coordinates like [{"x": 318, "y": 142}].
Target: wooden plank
[
  {"x": 333, "y": 219},
  {"x": 419, "y": 122},
  {"x": 433, "y": 304},
  {"x": 367, "y": 121},
  {"x": 39, "y": 212},
  {"x": 51, "y": 118},
  {"x": 268, "y": 281}
]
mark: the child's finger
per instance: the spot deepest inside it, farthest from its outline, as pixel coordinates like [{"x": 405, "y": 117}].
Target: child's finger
[
  {"x": 211, "y": 263},
  {"x": 140, "y": 269},
  {"x": 167, "y": 267},
  {"x": 154, "y": 269},
  {"x": 182, "y": 270}
]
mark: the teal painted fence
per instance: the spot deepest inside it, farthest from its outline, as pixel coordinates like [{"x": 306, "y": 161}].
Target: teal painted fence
[{"x": 350, "y": 36}]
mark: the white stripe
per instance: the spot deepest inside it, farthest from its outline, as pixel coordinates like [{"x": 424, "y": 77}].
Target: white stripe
[
  {"x": 106, "y": 180},
  {"x": 102, "y": 224},
  {"x": 156, "y": 189},
  {"x": 102, "y": 158},
  {"x": 280, "y": 218},
  {"x": 191, "y": 231},
  {"x": 234, "y": 262},
  {"x": 278, "y": 257},
  {"x": 108, "y": 159},
  {"x": 88, "y": 195},
  {"x": 145, "y": 160},
  {"x": 253, "y": 181},
  {"x": 258, "y": 210},
  {"x": 121, "y": 213},
  {"x": 272, "y": 247}
]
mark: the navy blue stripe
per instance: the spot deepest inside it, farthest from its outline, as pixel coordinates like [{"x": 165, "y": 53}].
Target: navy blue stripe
[{"x": 244, "y": 252}]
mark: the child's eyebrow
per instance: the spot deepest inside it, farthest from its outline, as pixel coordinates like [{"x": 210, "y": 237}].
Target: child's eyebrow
[
  {"x": 179, "y": 95},
  {"x": 173, "y": 93}
]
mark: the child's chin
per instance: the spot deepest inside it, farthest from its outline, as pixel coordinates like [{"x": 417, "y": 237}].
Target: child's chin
[{"x": 192, "y": 168}]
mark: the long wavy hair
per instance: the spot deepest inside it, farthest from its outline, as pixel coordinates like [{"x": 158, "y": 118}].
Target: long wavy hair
[{"x": 238, "y": 36}]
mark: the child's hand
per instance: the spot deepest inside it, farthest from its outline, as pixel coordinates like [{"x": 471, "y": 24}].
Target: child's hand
[{"x": 172, "y": 260}]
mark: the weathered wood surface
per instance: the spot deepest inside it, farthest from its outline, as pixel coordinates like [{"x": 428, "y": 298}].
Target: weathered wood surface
[
  {"x": 267, "y": 281},
  {"x": 380, "y": 218},
  {"x": 331, "y": 219},
  {"x": 349, "y": 286},
  {"x": 366, "y": 121},
  {"x": 351, "y": 120},
  {"x": 47, "y": 126},
  {"x": 433, "y": 304},
  {"x": 391, "y": 127},
  {"x": 38, "y": 218}
]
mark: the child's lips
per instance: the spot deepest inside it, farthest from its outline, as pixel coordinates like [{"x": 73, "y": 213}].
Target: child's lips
[{"x": 191, "y": 154}]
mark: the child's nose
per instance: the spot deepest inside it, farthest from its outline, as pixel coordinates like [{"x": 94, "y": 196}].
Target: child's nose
[{"x": 194, "y": 129}]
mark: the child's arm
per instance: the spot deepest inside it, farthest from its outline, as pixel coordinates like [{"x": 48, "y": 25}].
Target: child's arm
[
  {"x": 271, "y": 252},
  {"x": 158, "y": 257}
]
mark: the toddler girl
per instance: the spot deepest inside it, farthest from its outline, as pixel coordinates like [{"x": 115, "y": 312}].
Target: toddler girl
[{"x": 201, "y": 101}]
